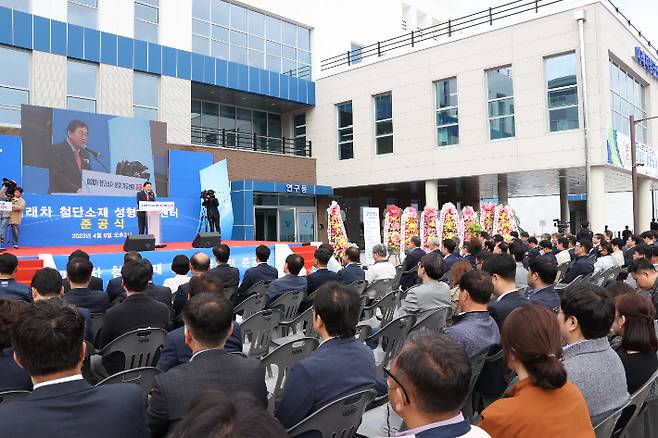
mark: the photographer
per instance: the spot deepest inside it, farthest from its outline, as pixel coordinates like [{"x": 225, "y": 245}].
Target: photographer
[
  {"x": 212, "y": 209},
  {"x": 11, "y": 220}
]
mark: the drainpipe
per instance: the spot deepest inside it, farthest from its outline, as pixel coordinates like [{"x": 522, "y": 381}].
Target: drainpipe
[{"x": 580, "y": 17}]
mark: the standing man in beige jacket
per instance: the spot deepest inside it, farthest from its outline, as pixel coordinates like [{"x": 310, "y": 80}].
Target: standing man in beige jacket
[{"x": 11, "y": 221}]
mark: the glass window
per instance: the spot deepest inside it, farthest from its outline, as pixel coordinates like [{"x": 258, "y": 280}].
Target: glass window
[
  {"x": 274, "y": 132},
  {"x": 304, "y": 38},
  {"x": 145, "y": 96},
  {"x": 19, "y": 5},
  {"x": 345, "y": 133},
  {"x": 14, "y": 84},
  {"x": 81, "y": 85},
  {"x": 256, "y": 43},
  {"x": 238, "y": 18},
  {"x": 562, "y": 89},
  {"x": 384, "y": 124},
  {"x": 256, "y": 23},
  {"x": 299, "y": 130},
  {"x": 289, "y": 33},
  {"x": 238, "y": 39},
  {"x": 239, "y": 54},
  {"x": 447, "y": 119},
  {"x": 146, "y": 20},
  {"x": 83, "y": 13},
  {"x": 628, "y": 97},
  {"x": 355, "y": 53},
  {"x": 273, "y": 29},
  {"x": 501, "y": 103},
  {"x": 220, "y": 12}
]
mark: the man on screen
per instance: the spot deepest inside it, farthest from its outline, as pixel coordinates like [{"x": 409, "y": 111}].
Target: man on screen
[
  {"x": 69, "y": 158},
  {"x": 146, "y": 194}
]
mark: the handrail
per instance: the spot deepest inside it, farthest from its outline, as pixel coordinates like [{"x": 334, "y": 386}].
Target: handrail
[{"x": 250, "y": 141}]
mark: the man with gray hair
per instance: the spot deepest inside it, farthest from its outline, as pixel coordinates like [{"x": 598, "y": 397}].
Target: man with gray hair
[
  {"x": 382, "y": 269},
  {"x": 434, "y": 245}
]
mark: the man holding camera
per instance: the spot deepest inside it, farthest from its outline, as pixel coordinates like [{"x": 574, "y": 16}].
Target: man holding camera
[
  {"x": 11, "y": 220},
  {"x": 146, "y": 194},
  {"x": 212, "y": 209}
]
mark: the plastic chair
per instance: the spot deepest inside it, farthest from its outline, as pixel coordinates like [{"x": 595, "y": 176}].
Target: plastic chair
[
  {"x": 386, "y": 305},
  {"x": 284, "y": 357},
  {"x": 359, "y": 285},
  {"x": 391, "y": 337},
  {"x": 10, "y": 396},
  {"x": 477, "y": 363},
  {"x": 139, "y": 347},
  {"x": 97, "y": 320},
  {"x": 379, "y": 288},
  {"x": 632, "y": 409},
  {"x": 433, "y": 319},
  {"x": 340, "y": 418},
  {"x": 398, "y": 277},
  {"x": 561, "y": 286},
  {"x": 230, "y": 292},
  {"x": 607, "y": 426},
  {"x": 257, "y": 331},
  {"x": 252, "y": 305},
  {"x": 144, "y": 377},
  {"x": 288, "y": 303},
  {"x": 259, "y": 288},
  {"x": 301, "y": 326}
]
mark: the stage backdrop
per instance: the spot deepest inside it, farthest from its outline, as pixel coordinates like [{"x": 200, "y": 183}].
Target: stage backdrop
[{"x": 108, "y": 266}]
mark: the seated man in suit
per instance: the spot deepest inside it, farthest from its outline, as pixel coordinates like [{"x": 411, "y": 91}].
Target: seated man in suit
[
  {"x": 48, "y": 344},
  {"x": 541, "y": 276},
  {"x": 449, "y": 255},
  {"x": 174, "y": 350},
  {"x": 262, "y": 271},
  {"x": 432, "y": 293},
  {"x": 158, "y": 293},
  {"x": 411, "y": 261},
  {"x": 546, "y": 249},
  {"x": 137, "y": 311},
  {"x": 208, "y": 324},
  {"x": 229, "y": 276},
  {"x": 78, "y": 273},
  {"x": 9, "y": 287},
  {"x": 321, "y": 275},
  {"x": 352, "y": 270},
  {"x": 291, "y": 281},
  {"x": 199, "y": 264},
  {"x": 586, "y": 315},
  {"x": 420, "y": 398},
  {"x": 12, "y": 377},
  {"x": 502, "y": 269},
  {"x": 95, "y": 283},
  {"x": 323, "y": 377},
  {"x": 114, "y": 289},
  {"x": 582, "y": 265}
]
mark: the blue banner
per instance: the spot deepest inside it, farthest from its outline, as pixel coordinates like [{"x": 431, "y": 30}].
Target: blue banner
[
  {"x": 108, "y": 266},
  {"x": 63, "y": 220}
]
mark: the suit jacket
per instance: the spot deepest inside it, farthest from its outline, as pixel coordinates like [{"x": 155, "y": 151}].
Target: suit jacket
[
  {"x": 159, "y": 293},
  {"x": 176, "y": 352},
  {"x": 322, "y": 378},
  {"x": 95, "y": 301},
  {"x": 426, "y": 296},
  {"x": 284, "y": 284},
  {"x": 412, "y": 259},
  {"x": 12, "y": 377},
  {"x": 141, "y": 196},
  {"x": 12, "y": 289},
  {"x": 114, "y": 289},
  {"x": 211, "y": 369},
  {"x": 546, "y": 297},
  {"x": 450, "y": 260},
  {"x": 229, "y": 276},
  {"x": 320, "y": 277},
  {"x": 260, "y": 272},
  {"x": 500, "y": 309},
  {"x": 180, "y": 298},
  {"x": 350, "y": 273},
  {"x": 76, "y": 408},
  {"x": 136, "y": 311},
  {"x": 581, "y": 266},
  {"x": 64, "y": 176},
  {"x": 95, "y": 283}
]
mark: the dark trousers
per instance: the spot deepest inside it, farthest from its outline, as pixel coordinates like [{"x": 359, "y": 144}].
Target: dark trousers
[
  {"x": 214, "y": 223},
  {"x": 141, "y": 223}
]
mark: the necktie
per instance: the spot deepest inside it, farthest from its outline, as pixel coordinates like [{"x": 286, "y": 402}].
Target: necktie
[{"x": 78, "y": 161}]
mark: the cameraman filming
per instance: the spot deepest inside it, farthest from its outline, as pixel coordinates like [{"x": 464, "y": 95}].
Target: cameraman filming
[
  {"x": 11, "y": 220},
  {"x": 212, "y": 209}
]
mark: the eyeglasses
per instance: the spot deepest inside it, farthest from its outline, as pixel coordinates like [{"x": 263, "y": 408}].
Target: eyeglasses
[{"x": 397, "y": 382}]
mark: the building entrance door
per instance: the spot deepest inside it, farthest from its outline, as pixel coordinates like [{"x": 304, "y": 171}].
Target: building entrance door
[{"x": 266, "y": 224}]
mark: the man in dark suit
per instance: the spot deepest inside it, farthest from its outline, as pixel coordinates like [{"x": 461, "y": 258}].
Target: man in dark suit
[
  {"x": 95, "y": 283},
  {"x": 114, "y": 288},
  {"x": 12, "y": 376},
  {"x": 175, "y": 351},
  {"x": 352, "y": 270},
  {"x": 68, "y": 159},
  {"x": 322, "y": 378},
  {"x": 262, "y": 271},
  {"x": 502, "y": 269},
  {"x": 137, "y": 311},
  {"x": 9, "y": 287},
  {"x": 411, "y": 261},
  {"x": 290, "y": 281},
  {"x": 448, "y": 250},
  {"x": 62, "y": 403},
  {"x": 229, "y": 276},
  {"x": 146, "y": 194},
  {"x": 541, "y": 276},
  {"x": 321, "y": 275},
  {"x": 583, "y": 264},
  {"x": 208, "y": 323},
  {"x": 78, "y": 272},
  {"x": 199, "y": 264}
]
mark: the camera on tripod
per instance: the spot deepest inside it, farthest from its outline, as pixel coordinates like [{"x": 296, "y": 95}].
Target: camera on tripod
[
  {"x": 561, "y": 225},
  {"x": 10, "y": 187},
  {"x": 207, "y": 194}
]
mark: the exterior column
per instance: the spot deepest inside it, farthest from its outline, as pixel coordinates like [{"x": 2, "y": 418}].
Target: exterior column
[
  {"x": 432, "y": 193},
  {"x": 644, "y": 198},
  {"x": 564, "y": 196},
  {"x": 596, "y": 196},
  {"x": 503, "y": 195}
]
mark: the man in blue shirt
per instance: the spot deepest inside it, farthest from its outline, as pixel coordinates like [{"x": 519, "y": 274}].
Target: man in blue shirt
[
  {"x": 541, "y": 276},
  {"x": 9, "y": 287}
]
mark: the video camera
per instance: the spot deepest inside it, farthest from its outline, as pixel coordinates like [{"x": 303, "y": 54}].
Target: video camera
[
  {"x": 10, "y": 187},
  {"x": 132, "y": 168},
  {"x": 561, "y": 225},
  {"x": 207, "y": 194}
]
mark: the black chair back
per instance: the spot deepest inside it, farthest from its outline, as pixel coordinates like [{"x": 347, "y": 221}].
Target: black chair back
[
  {"x": 144, "y": 377},
  {"x": 391, "y": 337},
  {"x": 257, "y": 331},
  {"x": 140, "y": 347},
  {"x": 288, "y": 303},
  {"x": 433, "y": 319},
  {"x": 252, "y": 305},
  {"x": 96, "y": 324}
]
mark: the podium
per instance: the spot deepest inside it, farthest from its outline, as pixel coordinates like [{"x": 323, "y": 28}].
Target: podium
[{"x": 153, "y": 210}]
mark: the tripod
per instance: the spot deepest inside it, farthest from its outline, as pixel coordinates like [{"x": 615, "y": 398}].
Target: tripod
[{"x": 203, "y": 221}]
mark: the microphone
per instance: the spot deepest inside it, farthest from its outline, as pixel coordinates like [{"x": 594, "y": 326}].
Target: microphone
[{"x": 96, "y": 154}]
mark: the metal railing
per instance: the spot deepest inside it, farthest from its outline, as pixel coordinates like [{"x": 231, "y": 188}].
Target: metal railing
[
  {"x": 249, "y": 141},
  {"x": 632, "y": 26}
]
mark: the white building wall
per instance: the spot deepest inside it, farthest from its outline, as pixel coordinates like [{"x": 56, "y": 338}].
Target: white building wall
[
  {"x": 53, "y": 9},
  {"x": 175, "y": 98},
  {"x": 115, "y": 94},
  {"x": 175, "y": 29},
  {"x": 48, "y": 81},
  {"x": 117, "y": 16}
]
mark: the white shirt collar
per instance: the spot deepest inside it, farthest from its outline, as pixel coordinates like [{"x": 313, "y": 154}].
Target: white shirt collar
[
  {"x": 61, "y": 380},
  {"x": 506, "y": 293},
  {"x": 328, "y": 339},
  {"x": 203, "y": 351}
]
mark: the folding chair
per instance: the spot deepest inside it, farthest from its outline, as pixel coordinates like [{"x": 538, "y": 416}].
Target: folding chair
[
  {"x": 284, "y": 357},
  {"x": 144, "y": 377},
  {"x": 252, "y": 305},
  {"x": 288, "y": 303},
  {"x": 10, "y": 396},
  {"x": 340, "y": 418},
  {"x": 386, "y": 306},
  {"x": 139, "y": 347},
  {"x": 390, "y": 338},
  {"x": 433, "y": 319},
  {"x": 257, "y": 331}
]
